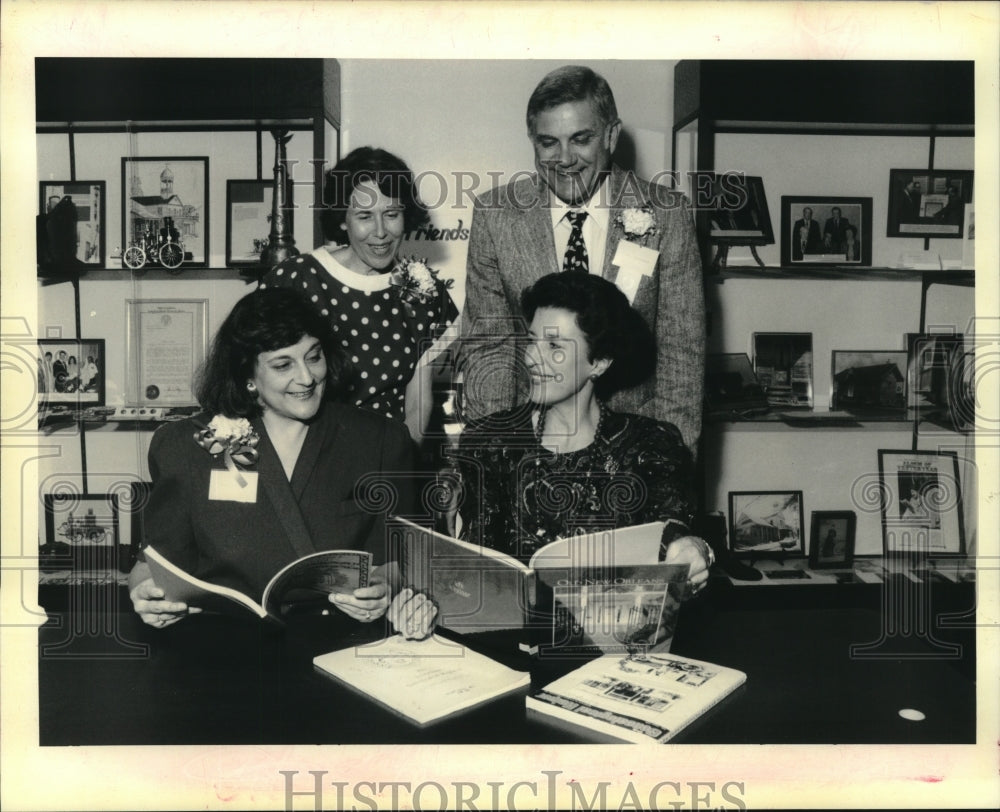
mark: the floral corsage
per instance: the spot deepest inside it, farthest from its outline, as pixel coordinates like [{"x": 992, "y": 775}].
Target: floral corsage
[
  {"x": 416, "y": 282},
  {"x": 637, "y": 223},
  {"x": 234, "y": 438}
]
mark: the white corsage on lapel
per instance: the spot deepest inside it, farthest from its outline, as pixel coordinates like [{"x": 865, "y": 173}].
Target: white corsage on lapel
[
  {"x": 237, "y": 441},
  {"x": 634, "y": 260}
]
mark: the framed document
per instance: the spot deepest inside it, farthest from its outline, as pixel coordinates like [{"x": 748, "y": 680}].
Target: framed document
[
  {"x": 921, "y": 503},
  {"x": 166, "y": 343},
  {"x": 248, "y": 221},
  {"x": 928, "y": 202}
]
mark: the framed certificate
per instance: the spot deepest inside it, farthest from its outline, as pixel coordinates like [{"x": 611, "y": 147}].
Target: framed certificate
[{"x": 166, "y": 343}]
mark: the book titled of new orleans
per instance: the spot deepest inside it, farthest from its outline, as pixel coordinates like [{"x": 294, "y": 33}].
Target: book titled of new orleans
[
  {"x": 423, "y": 680},
  {"x": 478, "y": 589},
  {"x": 306, "y": 580},
  {"x": 642, "y": 697}
]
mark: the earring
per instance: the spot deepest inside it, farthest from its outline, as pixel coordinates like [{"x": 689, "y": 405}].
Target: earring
[
  {"x": 251, "y": 387},
  {"x": 594, "y": 376}
]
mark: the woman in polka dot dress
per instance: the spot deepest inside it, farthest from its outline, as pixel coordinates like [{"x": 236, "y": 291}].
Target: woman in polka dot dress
[{"x": 385, "y": 320}]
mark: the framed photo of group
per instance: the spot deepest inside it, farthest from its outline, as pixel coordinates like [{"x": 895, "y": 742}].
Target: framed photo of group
[
  {"x": 921, "y": 503},
  {"x": 928, "y": 202},
  {"x": 71, "y": 372},
  {"x": 88, "y": 198},
  {"x": 826, "y": 231}
]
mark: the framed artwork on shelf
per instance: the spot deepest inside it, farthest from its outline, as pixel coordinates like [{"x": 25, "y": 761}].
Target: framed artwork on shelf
[
  {"x": 248, "y": 220},
  {"x": 783, "y": 363},
  {"x": 71, "y": 372},
  {"x": 81, "y": 533},
  {"x": 165, "y": 212},
  {"x": 938, "y": 378},
  {"x": 928, "y": 202},
  {"x": 763, "y": 523},
  {"x": 969, "y": 237},
  {"x": 826, "y": 231},
  {"x": 731, "y": 387},
  {"x": 87, "y": 197},
  {"x": 831, "y": 539},
  {"x": 870, "y": 382},
  {"x": 737, "y": 206},
  {"x": 921, "y": 499},
  {"x": 166, "y": 341}
]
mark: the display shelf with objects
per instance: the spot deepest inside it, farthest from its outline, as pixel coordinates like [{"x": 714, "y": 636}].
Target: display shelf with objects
[{"x": 806, "y": 133}]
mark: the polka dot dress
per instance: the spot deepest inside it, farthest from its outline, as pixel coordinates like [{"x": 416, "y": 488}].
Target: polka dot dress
[{"x": 383, "y": 336}]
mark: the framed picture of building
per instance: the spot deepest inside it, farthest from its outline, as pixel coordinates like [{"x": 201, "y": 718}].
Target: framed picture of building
[
  {"x": 88, "y": 198},
  {"x": 783, "y": 363},
  {"x": 165, "y": 212},
  {"x": 763, "y": 523},
  {"x": 870, "y": 382}
]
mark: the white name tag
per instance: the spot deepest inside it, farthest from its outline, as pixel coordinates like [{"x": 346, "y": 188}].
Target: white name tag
[
  {"x": 224, "y": 487},
  {"x": 634, "y": 262}
]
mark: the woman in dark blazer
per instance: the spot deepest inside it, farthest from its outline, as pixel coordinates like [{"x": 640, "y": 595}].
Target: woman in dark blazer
[{"x": 273, "y": 469}]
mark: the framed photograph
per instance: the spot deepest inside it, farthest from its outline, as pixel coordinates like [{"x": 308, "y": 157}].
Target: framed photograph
[
  {"x": 731, "y": 387},
  {"x": 936, "y": 375},
  {"x": 81, "y": 532},
  {"x": 738, "y": 213},
  {"x": 921, "y": 503},
  {"x": 88, "y": 197},
  {"x": 928, "y": 202},
  {"x": 765, "y": 522},
  {"x": 826, "y": 231},
  {"x": 870, "y": 381},
  {"x": 166, "y": 343},
  {"x": 969, "y": 237},
  {"x": 783, "y": 363},
  {"x": 165, "y": 200},
  {"x": 831, "y": 539},
  {"x": 71, "y": 372},
  {"x": 248, "y": 220}
]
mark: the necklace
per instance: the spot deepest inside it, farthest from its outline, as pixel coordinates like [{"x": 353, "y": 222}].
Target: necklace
[{"x": 540, "y": 425}]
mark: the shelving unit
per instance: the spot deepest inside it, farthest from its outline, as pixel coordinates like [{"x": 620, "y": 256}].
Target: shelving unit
[{"x": 825, "y": 128}]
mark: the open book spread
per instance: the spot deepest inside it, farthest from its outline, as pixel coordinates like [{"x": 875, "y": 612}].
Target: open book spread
[
  {"x": 424, "y": 680},
  {"x": 639, "y": 698},
  {"x": 311, "y": 577},
  {"x": 602, "y": 591}
]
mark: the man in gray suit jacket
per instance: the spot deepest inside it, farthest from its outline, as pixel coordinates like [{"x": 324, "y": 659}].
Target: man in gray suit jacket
[{"x": 639, "y": 235}]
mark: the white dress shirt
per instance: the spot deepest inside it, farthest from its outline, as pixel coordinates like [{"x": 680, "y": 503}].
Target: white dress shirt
[{"x": 595, "y": 228}]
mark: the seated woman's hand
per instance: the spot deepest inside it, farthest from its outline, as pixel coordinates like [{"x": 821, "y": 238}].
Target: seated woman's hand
[
  {"x": 367, "y": 603},
  {"x": 692, "y": 551},
  {"x": 147, "y": 600},
  {"x": 412, "y": 614}
]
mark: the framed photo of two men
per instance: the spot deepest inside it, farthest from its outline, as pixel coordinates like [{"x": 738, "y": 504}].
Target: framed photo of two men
[
  {"x": 826, "y": 231},
  {"x": 928, "y": 202}
]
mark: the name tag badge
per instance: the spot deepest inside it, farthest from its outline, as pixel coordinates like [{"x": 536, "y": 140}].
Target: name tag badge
[
  {"x": 634, "y": 262},
  {"x": 224, "y": 487}
]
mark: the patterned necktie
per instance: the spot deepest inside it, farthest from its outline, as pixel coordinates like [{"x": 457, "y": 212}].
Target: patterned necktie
[{"x": 576, "y": 258}]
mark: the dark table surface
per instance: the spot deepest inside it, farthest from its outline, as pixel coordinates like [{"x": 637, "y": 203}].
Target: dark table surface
[{"x": 824, "y": 667}]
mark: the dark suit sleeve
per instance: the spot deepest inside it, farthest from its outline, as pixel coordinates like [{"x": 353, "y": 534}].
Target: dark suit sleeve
[
  {"x": 680, "y": 324},
  {"x": 167, "y": 517},
  {"x": 487, "y": 352}
]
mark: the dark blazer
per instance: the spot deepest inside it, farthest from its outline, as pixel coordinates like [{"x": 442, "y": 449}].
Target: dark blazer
[
  {"x": 512, "y": 245},
  {"x": 242, "y": 545},
  {"x": 813, "y": 239}
]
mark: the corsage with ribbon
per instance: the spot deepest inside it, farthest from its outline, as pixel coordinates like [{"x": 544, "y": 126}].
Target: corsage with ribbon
[
  {"x": 234, "y": 438},
  {"x": 415, "y": 281},
  {"x": 637, "y": 223}
]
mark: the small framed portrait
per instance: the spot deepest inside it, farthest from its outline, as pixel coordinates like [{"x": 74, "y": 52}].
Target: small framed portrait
[
  {"x": 921, "y": 499},
  {"x": 928, "y": 202},
  {"x": 826, "y": 231},
  {"x": 870, "y": 382},
  {"x": 831, "y": 539},
  {"x": 737, "y": 208},
  {"x": 248, "y": 220},
  {"x": 71, "y": 372},
  {"x": 165, "y": 212},
  {"x": 87, "y": 198},
  {"x": 783, "y": 363},
  {"x": 81, "y": 532},
  {"x": 763, "y": 523}
]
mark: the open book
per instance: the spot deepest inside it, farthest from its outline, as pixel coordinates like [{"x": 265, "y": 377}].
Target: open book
[
  {"x": 601, "y": 591},
  {"x": 311, "y": 577},
  {"x": 640, "y": 698},
  {"x": 424, "y": 680}
]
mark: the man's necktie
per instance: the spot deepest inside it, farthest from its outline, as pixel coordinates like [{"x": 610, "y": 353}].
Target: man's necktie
[{"x": 576, "y": 258}]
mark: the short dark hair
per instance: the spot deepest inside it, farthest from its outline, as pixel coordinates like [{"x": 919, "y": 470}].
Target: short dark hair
[
  {"x": 263, "y": 321},
  {"x": 390, "y": 173},
  {"x": 613, "y": 328},
  {"x": 572, "y": 83}
]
